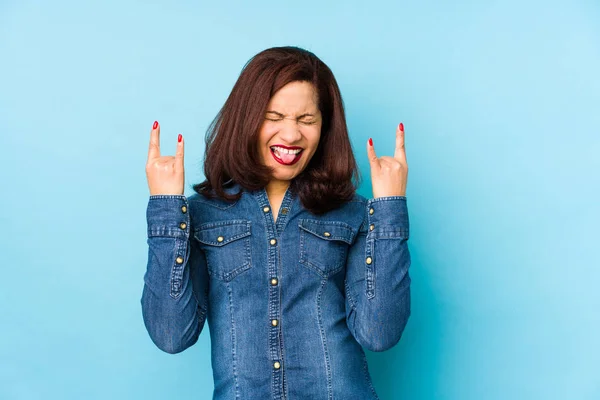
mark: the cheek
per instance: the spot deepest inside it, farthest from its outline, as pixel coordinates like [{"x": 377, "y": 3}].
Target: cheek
[
  {"x": 266, "y": 135},
  {"x": 313, "y": 139},
  {"x": 263, "y": 138}
]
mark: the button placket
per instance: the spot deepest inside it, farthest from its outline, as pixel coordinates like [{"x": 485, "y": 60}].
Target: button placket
[
  {"x": 272, "y": 231},
  {"x": 369, "y": 254}
]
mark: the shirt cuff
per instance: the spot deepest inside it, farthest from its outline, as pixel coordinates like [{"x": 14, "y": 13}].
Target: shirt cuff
[
  {"x": 388, "y": 217},
  {"x": 168, "y": 215}
]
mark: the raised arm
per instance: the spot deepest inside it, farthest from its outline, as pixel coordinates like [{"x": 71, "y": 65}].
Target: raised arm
[
  {"x": 377, "y": 279},
  {"x": 175, "y": 295}
]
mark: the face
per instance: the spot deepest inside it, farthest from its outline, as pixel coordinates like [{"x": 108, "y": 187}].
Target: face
[{"x": 291, "y": 130}]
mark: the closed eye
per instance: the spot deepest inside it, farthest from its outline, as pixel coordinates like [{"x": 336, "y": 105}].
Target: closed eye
[{"x": 304, "y": 119}]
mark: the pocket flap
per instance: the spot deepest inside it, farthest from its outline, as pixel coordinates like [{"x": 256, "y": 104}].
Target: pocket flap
[
  {"x": 328, "y": 230},
  {"x": 221, "y": 233}
]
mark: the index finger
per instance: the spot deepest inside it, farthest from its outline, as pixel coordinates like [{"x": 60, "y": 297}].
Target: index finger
[
  {"x": 399, "y": 153},
  {"x": 154, "y": 147}
]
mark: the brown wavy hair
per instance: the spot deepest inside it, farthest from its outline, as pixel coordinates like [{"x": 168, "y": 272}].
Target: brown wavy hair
[{"x": 332, "y": 175}]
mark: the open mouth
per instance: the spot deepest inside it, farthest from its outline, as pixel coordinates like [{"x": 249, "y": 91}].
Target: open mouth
[{"x": 286, "y": 156}]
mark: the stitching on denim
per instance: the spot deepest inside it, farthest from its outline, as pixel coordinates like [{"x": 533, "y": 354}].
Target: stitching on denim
[
  {"x": 177, "y": 269},
  {"x": 233, "y": 343},
  {"x": 245, "y": 265},
  {"x": 208, "y": 225},
  {"x": 229, "y": 276},
  {"x": 324, "y": 341},
  {"x": 349, "y": 295},
  {"x": 167, "y": 196},
  {"x": 199, "y": 256},
  {"x": 370, "y": 269},
  {"x": 305, "y": 224},
  {"x": 201, "y": 199},
  {"x": 204, "y": 228},
  {"x": 166, "y": 232},
  {"x": 385, "y": 198},
  {"x": 304, "y": 255},
  {"x": 390, "y": 234},
  {"x": 280, "y": 335},
  {"x": 224, "y": 242}
]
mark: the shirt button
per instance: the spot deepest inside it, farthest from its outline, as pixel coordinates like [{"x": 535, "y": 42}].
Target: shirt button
[
  {"x": 220, "y": 239},
  {"x": 274, "y": 322},
  {"x": 273, "y": 281},
  {"x": 273, "y": 242},
  {"x": 284, "y": 210},
  {"x": 371, "y": 227},
  {"x": 184, "y": 209},
  {"x": 371, "y": 211},
  {"x": 276, "y": 365},
  {"x": 369, "y": 260},
  {"x": 182, "y": 225},
  {"x": 327, "y": 234},
  {"x": 266, "y": 209},
  {"x": 179, "y": 260}
]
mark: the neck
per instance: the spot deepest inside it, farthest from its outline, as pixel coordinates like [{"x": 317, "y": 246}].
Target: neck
[{"x": 276, "y": 188}]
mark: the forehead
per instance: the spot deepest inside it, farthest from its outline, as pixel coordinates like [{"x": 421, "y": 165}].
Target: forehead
[{"x": 295, "y": 97}]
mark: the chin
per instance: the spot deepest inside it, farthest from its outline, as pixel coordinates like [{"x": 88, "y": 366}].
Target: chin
[{"x": 284, "y": 177}]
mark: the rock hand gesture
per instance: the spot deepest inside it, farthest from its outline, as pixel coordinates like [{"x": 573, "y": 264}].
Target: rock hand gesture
[
  {"x": 389, "y": 174},
  {"x": 164, "y": 173}
]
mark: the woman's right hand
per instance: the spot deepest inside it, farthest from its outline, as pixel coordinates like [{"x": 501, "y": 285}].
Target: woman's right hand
[{"x": 165, "y": 174}]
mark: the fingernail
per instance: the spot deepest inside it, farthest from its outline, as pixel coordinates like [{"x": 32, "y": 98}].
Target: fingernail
[
  {"x": 370, "y": 142},
  {"x": 179, "y": 138},
  {"x": 155, "y": 125},
  {"x": 401, "y": 126}
]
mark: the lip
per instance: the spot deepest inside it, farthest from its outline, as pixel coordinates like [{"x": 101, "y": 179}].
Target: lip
[
  {"x": 280, "y": 161},
  {"x": 286, "y": 147}
]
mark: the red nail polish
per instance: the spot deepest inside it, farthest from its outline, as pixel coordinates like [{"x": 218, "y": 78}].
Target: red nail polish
[
  {"x": 401, "y": 126},
  {"x": 370, "y": 142},
  {"x": 155, "y": 125},
  {"x": 179, "y": 138}
]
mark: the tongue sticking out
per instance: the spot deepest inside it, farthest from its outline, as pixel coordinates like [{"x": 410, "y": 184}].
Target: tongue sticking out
[{"x": 286, "y": 158}]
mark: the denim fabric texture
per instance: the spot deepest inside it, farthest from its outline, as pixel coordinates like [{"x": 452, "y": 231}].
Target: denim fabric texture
[{"x": 291, "y": 303}]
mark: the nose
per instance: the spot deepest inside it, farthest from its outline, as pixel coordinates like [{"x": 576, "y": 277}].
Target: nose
[{"x": 290, "y": 132}]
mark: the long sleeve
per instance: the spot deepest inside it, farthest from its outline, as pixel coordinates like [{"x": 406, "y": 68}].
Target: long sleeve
[
  {"x": 175, "y": 295},
  {"x": 377, "y": 280}
]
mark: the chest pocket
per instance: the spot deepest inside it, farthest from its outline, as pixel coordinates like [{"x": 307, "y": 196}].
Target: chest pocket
[
  {"x": 324, "y": 245},
  {"x": 227, "y": 247}
]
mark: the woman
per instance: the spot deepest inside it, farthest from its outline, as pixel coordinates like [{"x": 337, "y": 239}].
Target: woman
[{"x": 294, "y": 271}]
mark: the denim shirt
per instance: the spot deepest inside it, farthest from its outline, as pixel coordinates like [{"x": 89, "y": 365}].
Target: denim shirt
[{"x": 290, "y": 303}]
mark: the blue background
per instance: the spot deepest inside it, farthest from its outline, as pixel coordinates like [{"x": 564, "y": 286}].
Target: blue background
[{"x": 500, "y": 102}]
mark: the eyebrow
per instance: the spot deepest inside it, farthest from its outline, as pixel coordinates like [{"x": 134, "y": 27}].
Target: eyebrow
[{"x": 281, "y": 115}]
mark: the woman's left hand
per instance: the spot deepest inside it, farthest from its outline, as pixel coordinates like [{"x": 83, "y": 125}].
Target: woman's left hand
[{"x": 389, "y": 174}]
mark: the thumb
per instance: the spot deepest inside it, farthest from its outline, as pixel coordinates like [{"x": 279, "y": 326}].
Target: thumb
[
  {"x": 371, "y": 154},
  {"x": 179, "y": 152}
]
